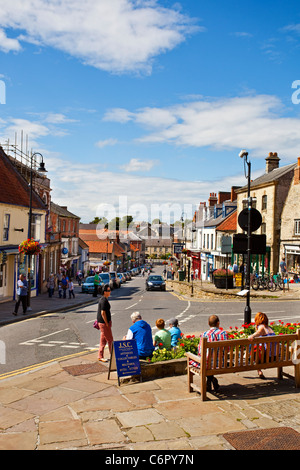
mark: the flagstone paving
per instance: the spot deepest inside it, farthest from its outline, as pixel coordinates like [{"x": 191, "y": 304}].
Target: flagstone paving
[{"x": 50, "y": 408}]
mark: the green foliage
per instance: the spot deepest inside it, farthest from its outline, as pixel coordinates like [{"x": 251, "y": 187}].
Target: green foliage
[{"x": 190, "y": 343}]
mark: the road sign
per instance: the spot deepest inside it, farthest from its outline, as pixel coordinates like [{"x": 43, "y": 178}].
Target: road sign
[
  {"x": 226, "y": 245},
  {"x": 178, "y": 247},
  {"x": 256, "y": 219},
  {"x": 257, "y": 244}
]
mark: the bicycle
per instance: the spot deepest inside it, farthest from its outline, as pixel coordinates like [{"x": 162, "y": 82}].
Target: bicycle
[{"x": 260, "y": 281}]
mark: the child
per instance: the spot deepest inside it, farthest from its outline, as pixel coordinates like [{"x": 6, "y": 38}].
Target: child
[
  {"x": 162, "y": 339},
  {"x": 71, "y": 289},
  {"x": 175, "y": 332}
]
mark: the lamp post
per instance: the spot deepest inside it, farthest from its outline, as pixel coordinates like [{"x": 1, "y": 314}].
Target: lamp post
[
  {"x": 41, "y": 169},
  {"x": 247, "y": 311}
]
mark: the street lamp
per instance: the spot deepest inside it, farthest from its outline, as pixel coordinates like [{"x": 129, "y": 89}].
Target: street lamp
[
  {"x": 247, "y": 311},
  {"x": 41, "y": 169}
]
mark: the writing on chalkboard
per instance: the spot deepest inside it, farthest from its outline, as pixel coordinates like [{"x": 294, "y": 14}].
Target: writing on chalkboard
[{"x": 124, "y": 359}]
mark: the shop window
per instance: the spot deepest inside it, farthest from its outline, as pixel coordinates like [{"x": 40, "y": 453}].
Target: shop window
[{"x": 297, "y": 226}]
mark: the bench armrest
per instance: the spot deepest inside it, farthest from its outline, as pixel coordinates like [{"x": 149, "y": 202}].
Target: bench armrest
[{"x": 193, "y": 357}]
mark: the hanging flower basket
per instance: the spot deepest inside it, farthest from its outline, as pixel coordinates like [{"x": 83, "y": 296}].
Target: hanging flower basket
[
  {"x": 106, "y": 263},
  {"x": 30, "y": 247}
]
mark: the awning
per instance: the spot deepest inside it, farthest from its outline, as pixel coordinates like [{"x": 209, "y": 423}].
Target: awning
[
  {"x": 292, "y": 249},
  {"x": 10, "y": 249}
]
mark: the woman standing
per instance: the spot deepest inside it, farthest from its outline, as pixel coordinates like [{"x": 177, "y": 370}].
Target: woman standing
[{"x": 104, "y": 323}]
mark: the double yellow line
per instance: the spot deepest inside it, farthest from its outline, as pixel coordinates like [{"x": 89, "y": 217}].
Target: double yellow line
[{"x": 25, "y": 370}]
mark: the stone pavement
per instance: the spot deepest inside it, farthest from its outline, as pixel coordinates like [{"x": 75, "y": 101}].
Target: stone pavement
[{"x": 53, "y": 408}]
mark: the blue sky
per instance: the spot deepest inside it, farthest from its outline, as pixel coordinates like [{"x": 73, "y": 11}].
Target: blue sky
[{"x": 150, "y": 102}]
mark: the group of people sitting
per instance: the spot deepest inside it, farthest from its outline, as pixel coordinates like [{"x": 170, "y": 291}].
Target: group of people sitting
[{"x": 141, "y": 331}]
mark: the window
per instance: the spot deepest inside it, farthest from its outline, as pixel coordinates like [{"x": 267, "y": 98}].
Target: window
[
  {"x": 297, "y": 226},
  {"x": 207, "y": 241},
  {"x": 6, "y": 227},
  {"x": 264, "y": 201},
  {"x": 263, "y": 228},
  {"x": 36, "y": 227},
  {"x": 212, "y": 241}
]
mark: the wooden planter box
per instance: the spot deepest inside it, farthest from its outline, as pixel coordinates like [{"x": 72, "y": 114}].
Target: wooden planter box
[{"x": 220, "y": 282}]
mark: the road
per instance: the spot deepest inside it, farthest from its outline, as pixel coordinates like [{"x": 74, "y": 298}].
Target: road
[{"x": 38, "y": 340}]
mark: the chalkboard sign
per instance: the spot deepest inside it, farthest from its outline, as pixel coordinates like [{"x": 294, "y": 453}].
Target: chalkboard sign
[{"x": 125, "y": 359}]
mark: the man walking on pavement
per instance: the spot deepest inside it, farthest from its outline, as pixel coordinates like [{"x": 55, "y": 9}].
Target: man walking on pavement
[{"x": 22, "y": 289}]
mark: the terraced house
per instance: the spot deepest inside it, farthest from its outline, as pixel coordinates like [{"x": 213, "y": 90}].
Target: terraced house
[
  {"x": 270, "y": 193},
  {"x": 14, "y": 220}
]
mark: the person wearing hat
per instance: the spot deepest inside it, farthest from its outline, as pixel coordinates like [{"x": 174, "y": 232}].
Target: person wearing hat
[{"x": 175, "y": 332}]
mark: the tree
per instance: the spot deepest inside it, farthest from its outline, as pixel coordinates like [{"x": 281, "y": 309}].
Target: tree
[{"x": 100, "y": 220}]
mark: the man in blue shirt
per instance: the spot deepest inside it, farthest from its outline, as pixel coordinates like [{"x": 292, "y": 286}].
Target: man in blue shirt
[
  {"x": 142, "y": 333},
  {"x": 22, "y": 290}
]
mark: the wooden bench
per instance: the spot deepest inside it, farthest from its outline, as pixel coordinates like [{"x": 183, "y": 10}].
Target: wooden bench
[{"x": 227, "y": 357}]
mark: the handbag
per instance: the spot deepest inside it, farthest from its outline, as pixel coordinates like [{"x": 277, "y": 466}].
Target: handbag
[{"x": 95, "y": 325}]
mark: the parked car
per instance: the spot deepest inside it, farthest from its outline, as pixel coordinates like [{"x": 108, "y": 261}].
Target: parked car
[
  {"x": 122, "y": 277},
  {"x": 106, "y": 278},
  {"x": 115, "y": 279},
  {"x": 87, "y": 286},
  {"x": 155, "y": 282}
]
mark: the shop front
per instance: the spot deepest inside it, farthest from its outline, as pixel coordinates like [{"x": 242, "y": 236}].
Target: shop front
[
  {"x": 196, "y": 263},
  {"x": 292, "y": 258}
]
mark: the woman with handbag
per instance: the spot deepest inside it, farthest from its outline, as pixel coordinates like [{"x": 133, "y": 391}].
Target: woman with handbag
[{"x": 104, "y": 324}]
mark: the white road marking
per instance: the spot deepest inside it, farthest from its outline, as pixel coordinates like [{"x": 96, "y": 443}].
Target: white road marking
[{"x": 127, "y": 308}]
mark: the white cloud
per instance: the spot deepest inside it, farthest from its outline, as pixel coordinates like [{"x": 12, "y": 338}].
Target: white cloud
[
  {"x": 107, "y": 142},
  {"x": 8, "y": 44},
  {"x": 113, "y": 35},
  {"x": 128, "y": 193},
  {"x": 138, "y": 165},
  {"x": 253, "y": 122}
]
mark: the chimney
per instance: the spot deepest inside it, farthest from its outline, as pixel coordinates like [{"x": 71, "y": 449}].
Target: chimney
[
  {"x": 297, "y": 173},
  {"x": 212, "y": 200},
  {"x": 233, "y": 196},
  {"x": 223, "y": 196},
  {"x": 272, "y": 162}
]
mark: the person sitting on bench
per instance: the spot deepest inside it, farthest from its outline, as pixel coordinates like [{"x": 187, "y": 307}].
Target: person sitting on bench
[{"x": 215, "y": 333}]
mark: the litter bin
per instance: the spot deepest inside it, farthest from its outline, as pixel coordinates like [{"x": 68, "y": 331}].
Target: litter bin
[{"x": 181, "y": 275}]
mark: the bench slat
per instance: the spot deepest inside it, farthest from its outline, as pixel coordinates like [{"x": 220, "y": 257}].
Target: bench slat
[{"x": 230, "y": 356}]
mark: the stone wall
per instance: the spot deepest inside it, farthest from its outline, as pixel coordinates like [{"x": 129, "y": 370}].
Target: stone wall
[{"x": 163, "y": 369}]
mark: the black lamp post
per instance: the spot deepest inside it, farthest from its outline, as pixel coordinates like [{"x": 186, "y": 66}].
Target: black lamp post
[
  {"x": 247, "y": 312},
  {"x": 41, "y": 169}
]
